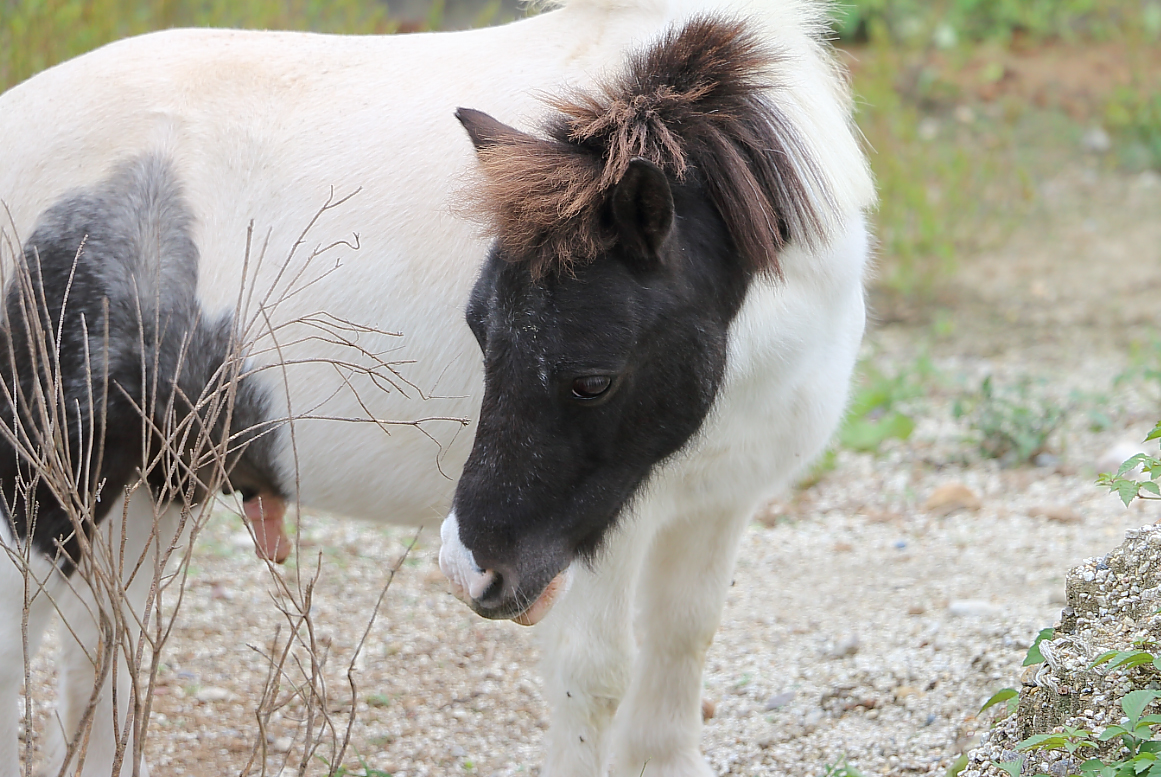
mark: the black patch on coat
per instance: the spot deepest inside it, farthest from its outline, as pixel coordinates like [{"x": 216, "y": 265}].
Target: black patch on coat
[{"x": 113, "y": 272}]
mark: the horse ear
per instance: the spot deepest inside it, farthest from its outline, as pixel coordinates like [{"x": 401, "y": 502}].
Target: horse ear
[
  {"x": 484, "y": 130},
  {"x": 643, "y": 208}
]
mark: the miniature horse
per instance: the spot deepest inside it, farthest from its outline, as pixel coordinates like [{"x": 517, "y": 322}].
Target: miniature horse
[{"x": 667, "y": 297}]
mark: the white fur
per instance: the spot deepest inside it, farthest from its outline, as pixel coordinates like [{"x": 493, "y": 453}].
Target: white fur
[
  {"x": 263, "y": 127},
  {"x": 467, "y": 580}
]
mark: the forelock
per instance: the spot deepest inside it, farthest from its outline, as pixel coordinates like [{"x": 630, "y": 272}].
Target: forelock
[{"x": 700, "y": 97}]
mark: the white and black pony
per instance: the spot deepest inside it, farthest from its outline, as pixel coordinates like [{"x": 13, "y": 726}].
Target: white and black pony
[{"x": 667, "y": 291}]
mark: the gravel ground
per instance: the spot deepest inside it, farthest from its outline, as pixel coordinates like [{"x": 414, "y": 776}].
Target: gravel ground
[{"x": 867, "y": 622}]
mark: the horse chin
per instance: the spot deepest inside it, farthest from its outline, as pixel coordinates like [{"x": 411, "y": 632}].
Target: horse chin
[{"x": 556, "y": 588}]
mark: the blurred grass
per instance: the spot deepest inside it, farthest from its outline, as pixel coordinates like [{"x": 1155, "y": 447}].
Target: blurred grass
[
  {"x": 955, "y": 170},
  {"x": 956, "y": 160},
  {"x": 35, "y": 34}
]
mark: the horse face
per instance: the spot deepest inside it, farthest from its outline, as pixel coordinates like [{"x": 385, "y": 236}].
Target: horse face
[{"x": 592, "y": 377}]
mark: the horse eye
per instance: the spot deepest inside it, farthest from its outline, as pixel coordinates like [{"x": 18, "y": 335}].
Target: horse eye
[{"x": 591, "y": 386}]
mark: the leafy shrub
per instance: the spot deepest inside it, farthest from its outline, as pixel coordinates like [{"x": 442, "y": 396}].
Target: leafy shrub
[
  {"x": 1012, "y": 425},
  {"x": 1134, "y": 113}
]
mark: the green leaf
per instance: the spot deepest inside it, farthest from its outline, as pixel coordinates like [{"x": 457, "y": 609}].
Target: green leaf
[
  {"x": 1104, "y": 658},
  {"x": 1135, "y": 703},
  {"x": 1095, "y": 767},
  {"x": 1155, "y": 434},
  {"x": 1043, "y": 742},
  {"x": 1127, "y": 490},
  {"x": 1011, "y": 767},
  {"x": 1130, "y": 659},
  {"x": 866, "y": 435},
  {"x": 1001, "y": 695},
  {"x": 957, "y": 766},
  {"x": 1034, "y": 655},
  {"x": 1132, "y": 463},
  {"x": 1112, "y": 731}
]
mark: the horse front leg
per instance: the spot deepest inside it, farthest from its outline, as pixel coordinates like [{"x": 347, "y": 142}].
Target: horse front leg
[
  {"x": 682, "y": 591},
  {"x": 587, "y": 643}
]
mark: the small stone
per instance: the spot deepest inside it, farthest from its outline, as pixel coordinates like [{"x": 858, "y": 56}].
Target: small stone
[
  {"x": 1150, "y": 179},
  {"x": 928, "y": 129},
  {"x": 458, "y": 752},
  {"x": 211, "y": 693},
  {"x": 779, "y": 700},
  {"x": 950, "y": 498},
  {"x": 845, "y": 648},
  {"x": 1045, "y": 459},
  {"x": 1058, "y": 513},
  {"x": 281, "y": 744},
  {"x": 1096, "y": 140},
  {"x": 916, "y": 609},
  {"x": 973, "y": 607},
  {"x": 708, "y": 708}
]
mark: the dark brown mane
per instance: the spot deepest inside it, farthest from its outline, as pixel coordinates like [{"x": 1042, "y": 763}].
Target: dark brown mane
[{"x": 696, "y": 99}]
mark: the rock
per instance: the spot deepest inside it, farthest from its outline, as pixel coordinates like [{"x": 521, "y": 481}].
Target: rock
[
  {"x": 1096, "y": 141},
  {"x": 1045, "y": 459},
  {"x": 903, "y": 691},
  {"x": 211, "y": 693},
  {"x": 779, "y": 700},
  {"x": 1058, "y": 513},
  {"x": 708, "y": 708},
  {"x": 1150, "y": 179},
  {"x": 950, "y": 498},
  {"x": 973, "y": 608},
  {"x": 928, "y": 129},
  {"x": 280, "y": 744},
  {"x": 844, "y": 648},
  {"x": 1110, "y": 609}
]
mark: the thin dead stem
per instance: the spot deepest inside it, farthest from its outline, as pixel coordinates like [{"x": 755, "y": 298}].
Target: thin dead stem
[{"x": 187, "y": 444}]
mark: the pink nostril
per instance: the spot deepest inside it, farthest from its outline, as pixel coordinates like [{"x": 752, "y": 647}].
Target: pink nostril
[{"x": 481, "y": 583}]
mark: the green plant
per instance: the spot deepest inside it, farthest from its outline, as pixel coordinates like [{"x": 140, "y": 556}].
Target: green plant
[
  {"x": 1134, "y": 113},
  {"x": 1009, "y": 697},
  {"x": 1012, "y": 424},
  {"x": 1129, "y": 487},
  {"x": 1034, "y": 656},
  {"x": 841, "y": 769},
  {"x": 875, "y": 415},
  {"x": 1136, "y": 732}
]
